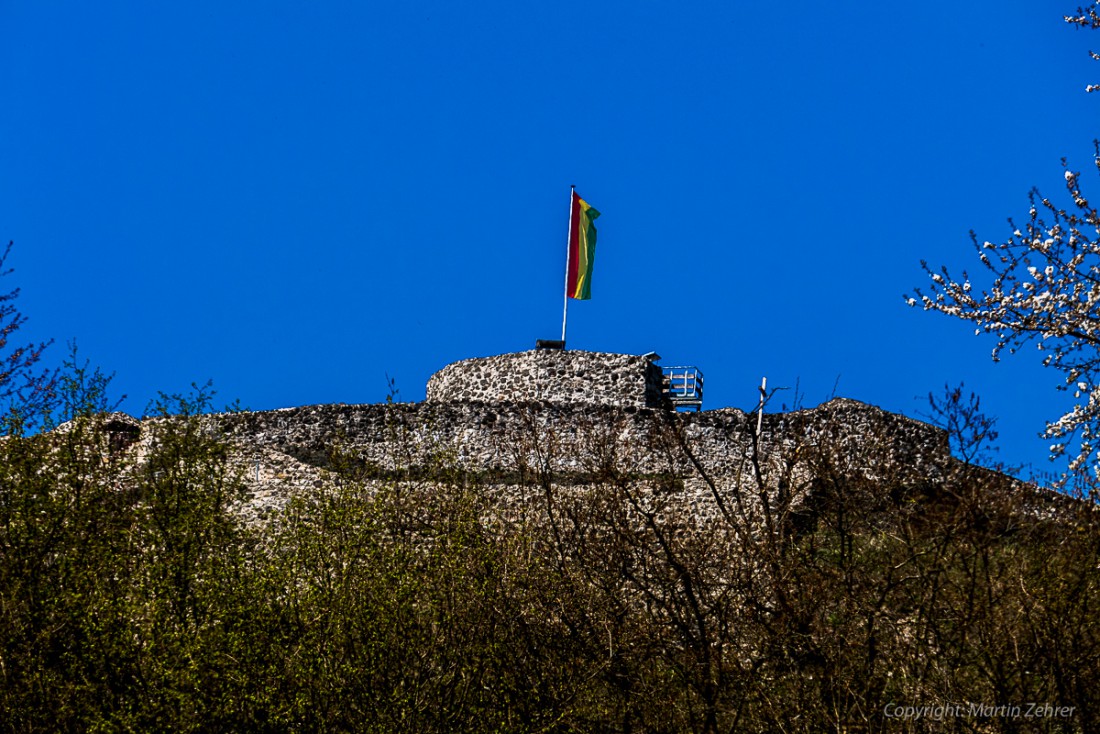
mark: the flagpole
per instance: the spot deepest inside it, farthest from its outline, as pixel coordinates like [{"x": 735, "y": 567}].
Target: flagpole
[{"x": 565, "y": 287}]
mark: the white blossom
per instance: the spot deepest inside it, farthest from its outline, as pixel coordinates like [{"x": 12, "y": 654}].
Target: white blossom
[{"x": 1042, "y": 288}]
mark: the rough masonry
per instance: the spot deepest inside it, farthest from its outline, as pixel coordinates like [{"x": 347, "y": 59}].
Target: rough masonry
[
  {"x": 553, "y": 375},
  {"x": 569, "y": 415}
]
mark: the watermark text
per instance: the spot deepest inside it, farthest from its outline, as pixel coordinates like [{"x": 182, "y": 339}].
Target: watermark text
[{"x": 971, "y": 710}]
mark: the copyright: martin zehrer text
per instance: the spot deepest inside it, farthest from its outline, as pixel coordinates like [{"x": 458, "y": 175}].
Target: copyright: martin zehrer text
[{"x": 941, "y": 711}]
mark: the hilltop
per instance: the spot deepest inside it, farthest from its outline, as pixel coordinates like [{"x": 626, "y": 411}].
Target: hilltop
[
  {"x": 545, "y": 544},
  {"x": 500, "y": 415}
]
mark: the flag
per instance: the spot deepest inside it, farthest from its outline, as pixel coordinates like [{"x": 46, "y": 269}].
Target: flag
[{"x": 582, "y": 249}]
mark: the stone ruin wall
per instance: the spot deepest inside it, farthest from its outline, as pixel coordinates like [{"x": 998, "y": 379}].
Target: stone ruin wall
[
  {"x": 569, "y": 414},
  {"x": 291, "y": 450},
  {"x": 682, "y": 464},
  {"x": 554, "y": 375},
  {"x": 489, "y": 437}
]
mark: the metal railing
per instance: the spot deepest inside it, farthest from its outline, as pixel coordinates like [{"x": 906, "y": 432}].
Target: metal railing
[{"x": 683, "y": 386}]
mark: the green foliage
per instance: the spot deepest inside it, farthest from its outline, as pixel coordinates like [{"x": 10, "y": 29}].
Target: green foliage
[
  {"x": 115, "y": 577},
  {"x": 81, "y": 391},
  {"x": 134, "y": 598}
]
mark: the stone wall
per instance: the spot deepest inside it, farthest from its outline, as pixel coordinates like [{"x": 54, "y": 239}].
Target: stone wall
[
  {"x": 572, "y": 417},
  {"x": 552, "y": 375},
  {"x": 578, "y": 420},
  {"x": 291, "y": 450}
]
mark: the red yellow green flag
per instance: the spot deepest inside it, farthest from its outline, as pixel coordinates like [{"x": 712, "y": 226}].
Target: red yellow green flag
[{"x": 582, "y": 249}]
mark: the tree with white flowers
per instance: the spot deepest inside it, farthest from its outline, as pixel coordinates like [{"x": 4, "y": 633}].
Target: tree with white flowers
[
  {"x": 1087, "y": 17},
  {"x": 1045, "y": 290}
]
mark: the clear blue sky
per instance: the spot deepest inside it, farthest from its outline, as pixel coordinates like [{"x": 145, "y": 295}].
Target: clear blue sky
[{"x": 297, "y": 199}]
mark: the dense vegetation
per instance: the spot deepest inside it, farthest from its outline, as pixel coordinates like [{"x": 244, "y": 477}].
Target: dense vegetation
[{"x": 134, "y": 598}]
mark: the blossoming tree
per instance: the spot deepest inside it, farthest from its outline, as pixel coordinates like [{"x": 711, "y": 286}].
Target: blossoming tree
[{"x": 1042, "y": 286}]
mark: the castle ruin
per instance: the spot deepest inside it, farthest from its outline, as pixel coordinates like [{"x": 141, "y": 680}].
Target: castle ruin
[{"x": 562, "y": 412}]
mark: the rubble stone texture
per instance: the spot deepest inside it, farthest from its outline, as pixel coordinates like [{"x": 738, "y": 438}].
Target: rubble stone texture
[
  {"x": 565, "y": 414},
  {"x": 553, "y": 375}
]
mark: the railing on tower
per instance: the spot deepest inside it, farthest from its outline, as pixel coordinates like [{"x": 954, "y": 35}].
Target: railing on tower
[{"x": 683, "y": 386}]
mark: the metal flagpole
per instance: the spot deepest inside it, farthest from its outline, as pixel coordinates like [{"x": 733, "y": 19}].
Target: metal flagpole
[{"x": 565, "y": 288}]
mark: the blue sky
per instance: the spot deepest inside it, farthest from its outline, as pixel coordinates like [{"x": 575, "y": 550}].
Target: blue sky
[{"x": 297, "y": 200}]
